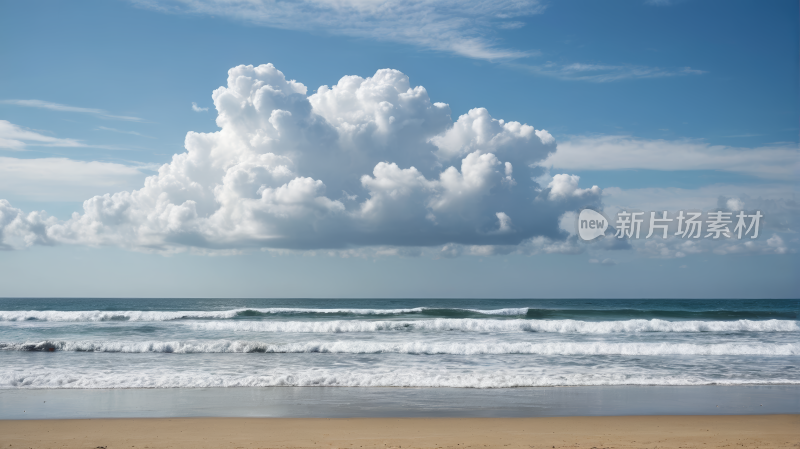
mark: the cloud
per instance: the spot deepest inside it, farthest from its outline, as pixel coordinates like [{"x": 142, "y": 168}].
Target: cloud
[
  {"x": 776, "y": 202},
  {"x": 18, "y": 229},
  {"x": 625, "y": 152},
  {"x": 61, "y": 179},
  {"x": 604, "y": 261},
  {"x": 529, "y": 247},
  {"x": 678, "y": 248},
  {"x": 462, "y": 28},
  {"x": 604, "y": 73},
  {"x": 16, "y": 138},
  {"x": 368, "y": 162},
  {"x": 65, "y": 108},
  {"x": 197, "y": 108},
  {"x": 565, "y": 186},
  {"x": 734, "y": 204},
  {"x": 511, "y": 25},
  {"x": 466, "y": 29},
  {"x": 119, "y": 131}
]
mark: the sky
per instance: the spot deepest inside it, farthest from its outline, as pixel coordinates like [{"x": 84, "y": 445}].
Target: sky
[{"x": 381, "y": 149}]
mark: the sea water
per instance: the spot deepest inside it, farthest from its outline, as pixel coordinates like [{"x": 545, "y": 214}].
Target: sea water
[{"x": 484, "y": 344}]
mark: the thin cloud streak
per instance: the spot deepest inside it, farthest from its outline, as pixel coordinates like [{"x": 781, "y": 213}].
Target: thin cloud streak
[
  {"x": 114, "y": 130},
  {"x": 604, "y": 73},
  {"x": 64, "y": 179},
  {"x": 462, "y": 28},
  {"x": 16, "y": 138},
  {"x": 466, "y": 29},
  {"x": 626, "y": 152},
  {"x": 66, "y": 108}
]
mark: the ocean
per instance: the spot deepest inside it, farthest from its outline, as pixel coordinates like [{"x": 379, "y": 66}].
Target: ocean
[{"x": 71, "y": 343}]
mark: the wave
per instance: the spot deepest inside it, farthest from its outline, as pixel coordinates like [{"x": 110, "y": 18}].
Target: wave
[
  {"x": 489, "y": 325},
  {"x": 416, "y": 347},
  {"x": 617, "y": 314},
  {"x": 528, "y": 313},
  {"x": 57, "y": 379},
  {"x": 140, "y": 315}
]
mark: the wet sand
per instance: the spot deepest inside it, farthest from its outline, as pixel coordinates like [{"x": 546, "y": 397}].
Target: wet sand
[
  {"x": 379, "y": 402},
  {"x": 742, "y": 431}
]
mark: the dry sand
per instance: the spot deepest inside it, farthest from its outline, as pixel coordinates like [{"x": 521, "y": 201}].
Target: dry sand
[{"x": 761, "y": 431}]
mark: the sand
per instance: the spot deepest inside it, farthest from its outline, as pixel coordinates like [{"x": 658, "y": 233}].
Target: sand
[{"x": 760, "y": 431}]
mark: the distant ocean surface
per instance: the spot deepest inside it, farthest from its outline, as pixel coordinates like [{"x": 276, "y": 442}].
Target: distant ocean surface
[{"x": 195, "y": 343}]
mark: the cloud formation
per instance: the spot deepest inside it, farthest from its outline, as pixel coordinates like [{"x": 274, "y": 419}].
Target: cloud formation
[
  {"x": 19, "y": 230},
  {"x": 462, "y": 28},
  {"x": 66, "y": 108},
  {"x": 366, "y": 162},
  {"x": 565, "y": 186},
  {"x": 776, "y": 202},
  {"x": 17, "y": 138},
  {"x": 604, "y": 73},
  {"x": 625, "y": 152},
  {"x": 62, "y": 179}
]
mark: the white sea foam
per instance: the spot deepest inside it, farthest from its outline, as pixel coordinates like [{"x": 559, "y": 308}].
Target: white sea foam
[
  {"x": 138, "y": 315},
  {"x": 489, "y": 325},
  {"x": 101, "y": 315},
  {"x": 511, "y": 311},
  {"x": 61, "y": 378},
  {"x": 412, "y": 347}
]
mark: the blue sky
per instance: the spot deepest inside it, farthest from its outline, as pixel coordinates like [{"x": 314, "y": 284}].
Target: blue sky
[{"x": 662, "y": 105}]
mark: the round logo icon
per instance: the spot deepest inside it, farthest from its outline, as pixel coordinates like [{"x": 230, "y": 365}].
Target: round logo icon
[{"x": 591, "y": 224}]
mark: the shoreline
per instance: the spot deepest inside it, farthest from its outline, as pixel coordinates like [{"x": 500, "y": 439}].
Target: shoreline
[
  {"x": 392, "y": 402},
  {"x": 763, "y": 431}
]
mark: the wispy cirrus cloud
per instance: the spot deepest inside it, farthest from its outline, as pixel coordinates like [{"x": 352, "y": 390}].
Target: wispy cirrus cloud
[
  {"x": 626, "y": 152},
  {"x": 462, "y": 28},
  {"x": 63, "y": 179},
  {"x": 121, "y": 131},
  {"x": 604, "y": 73},
  {"x": 17, "y": 138},
  {"x": 66, "y": 108}
]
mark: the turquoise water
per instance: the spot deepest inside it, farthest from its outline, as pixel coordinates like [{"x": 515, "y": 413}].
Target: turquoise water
[{"x": 198, "y": 343}]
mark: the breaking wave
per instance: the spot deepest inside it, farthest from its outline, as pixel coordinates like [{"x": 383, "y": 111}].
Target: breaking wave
[
  {"x": 427, "y": 312},
  {"x": 139, "y": 315},
  {"x": 489, "y": 325},
  {"x": 414, "y": 347},
  {"x": 59, "y": 378}
]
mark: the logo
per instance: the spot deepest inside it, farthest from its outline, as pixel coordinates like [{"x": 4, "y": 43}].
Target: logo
[{"x": 591, "y": 224}]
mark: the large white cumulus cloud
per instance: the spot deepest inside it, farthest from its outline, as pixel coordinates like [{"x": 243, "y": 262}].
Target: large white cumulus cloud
[{"x": 368, "y": 161}]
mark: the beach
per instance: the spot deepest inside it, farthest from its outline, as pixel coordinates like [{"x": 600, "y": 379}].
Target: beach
[
  {"x": 194, "y": 373},
  {"x": 749, "y": 431},
  {"x": 387, "y": 224}
]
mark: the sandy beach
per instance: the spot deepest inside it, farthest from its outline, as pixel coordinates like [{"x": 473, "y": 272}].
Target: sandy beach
[{"x": 763, "y": 431}]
